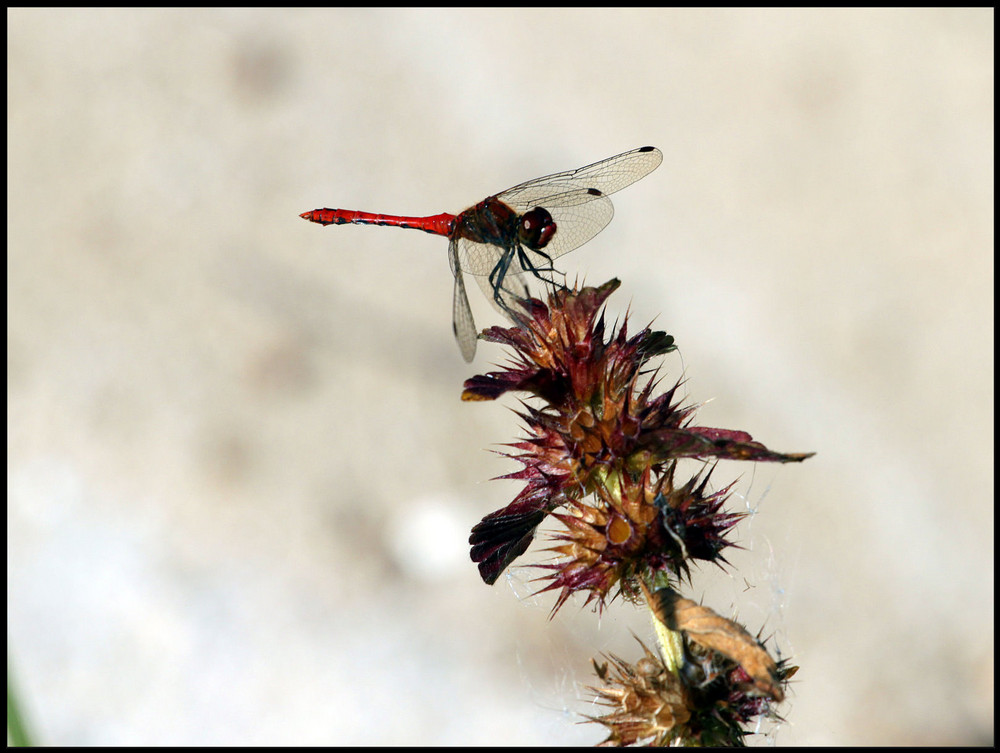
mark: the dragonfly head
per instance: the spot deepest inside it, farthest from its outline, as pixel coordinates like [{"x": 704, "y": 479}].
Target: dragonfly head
[{"x": 536, "y": 228}]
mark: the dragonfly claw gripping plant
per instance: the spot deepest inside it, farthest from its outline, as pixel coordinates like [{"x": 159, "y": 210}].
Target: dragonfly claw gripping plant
[{"x": 600, "y": 455}]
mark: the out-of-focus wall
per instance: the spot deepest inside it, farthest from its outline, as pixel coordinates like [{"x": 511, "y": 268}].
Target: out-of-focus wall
[{"x": 240, "y": 479}]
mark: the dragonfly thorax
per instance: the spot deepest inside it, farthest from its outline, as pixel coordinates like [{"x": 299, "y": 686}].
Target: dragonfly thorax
[
  {"x": 490, "y": 221},
  {"x": 494, "y": 222}
]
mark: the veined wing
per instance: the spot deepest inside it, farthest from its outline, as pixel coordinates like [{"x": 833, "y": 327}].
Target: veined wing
[
  {"x": 462, "y": 323},
  {"x": 579, "y": 216},
  {"x": 514, "y": 288},
  {"x": 607, "y": 176}
]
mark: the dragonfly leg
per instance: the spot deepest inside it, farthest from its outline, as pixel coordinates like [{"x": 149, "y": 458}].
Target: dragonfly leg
[
  {"x": 529, "y": 266},
  {"x": 504, "y": 297}
]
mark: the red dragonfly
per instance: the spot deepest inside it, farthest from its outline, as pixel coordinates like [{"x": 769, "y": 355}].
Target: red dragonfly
[{"x": 523, "y": 229}]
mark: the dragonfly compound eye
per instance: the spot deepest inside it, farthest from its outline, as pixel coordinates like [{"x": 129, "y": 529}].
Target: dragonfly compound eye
[{"x": 537, "y": 228}]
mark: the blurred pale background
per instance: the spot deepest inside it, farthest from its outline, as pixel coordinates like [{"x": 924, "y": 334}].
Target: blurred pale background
[{"x": 240, "y": 478}]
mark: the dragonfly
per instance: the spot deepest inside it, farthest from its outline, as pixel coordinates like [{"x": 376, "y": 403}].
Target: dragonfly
[{"x": 513, "y": 235}]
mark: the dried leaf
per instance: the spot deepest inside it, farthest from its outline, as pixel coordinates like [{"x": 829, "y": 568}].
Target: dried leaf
[{"x": 710, "y": 630}]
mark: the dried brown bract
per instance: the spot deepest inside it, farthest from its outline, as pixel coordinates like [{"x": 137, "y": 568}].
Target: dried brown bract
[{"x": 707, "y": 629}]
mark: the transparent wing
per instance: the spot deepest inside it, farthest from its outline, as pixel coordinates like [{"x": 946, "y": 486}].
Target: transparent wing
[
  {"x": 579, "y": 216},
  {"x": 462, "y": 322},
  {"x": 478, "y": 258},
  {"x": 607, "y": 176},
  {"x": 507, "y": 298},
  {"x": 580, "y": 208}
]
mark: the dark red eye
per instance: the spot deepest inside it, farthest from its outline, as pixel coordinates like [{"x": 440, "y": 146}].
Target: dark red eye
[{"x": 536, "y": 228}]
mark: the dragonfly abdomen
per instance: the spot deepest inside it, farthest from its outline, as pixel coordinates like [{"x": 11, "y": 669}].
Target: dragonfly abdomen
[{"x": 438, "y": 224}]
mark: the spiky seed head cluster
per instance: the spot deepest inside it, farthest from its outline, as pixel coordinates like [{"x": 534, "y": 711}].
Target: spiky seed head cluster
[{"x": 600, "y": 452}]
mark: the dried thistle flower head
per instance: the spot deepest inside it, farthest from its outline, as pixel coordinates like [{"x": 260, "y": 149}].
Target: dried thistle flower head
[
  {"x": 648, "y": 703},
  {"x": 600, "y": 431},
  {"x": 630, "y": 528}
]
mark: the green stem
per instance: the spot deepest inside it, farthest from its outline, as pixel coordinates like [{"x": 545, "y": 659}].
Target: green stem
[
  {"x": 671, "y": 645},
  {"x": 17, "y": 731}
]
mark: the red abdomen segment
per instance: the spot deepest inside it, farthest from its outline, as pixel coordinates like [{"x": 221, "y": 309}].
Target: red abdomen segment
[{"x": 438, "y": 224}]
